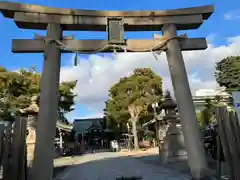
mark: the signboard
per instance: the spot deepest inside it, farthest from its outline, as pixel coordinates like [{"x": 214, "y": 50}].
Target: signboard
[
  {"x": 115, "y": 30},
  {"x": 236, "y": 101}
]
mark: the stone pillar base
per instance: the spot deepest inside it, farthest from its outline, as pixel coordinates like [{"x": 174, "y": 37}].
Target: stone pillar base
[
  {"x": 30, "y": 153},
  {"x": 30, "y": 141},
  {"x": 171, "y": 157},
  {"x": 174, "y": 147}
]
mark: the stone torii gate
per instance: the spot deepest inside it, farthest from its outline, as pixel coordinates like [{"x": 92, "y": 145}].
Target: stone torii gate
[{"x": 55, "y": 21}]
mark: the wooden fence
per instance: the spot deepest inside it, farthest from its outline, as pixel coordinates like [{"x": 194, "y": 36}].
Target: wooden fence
[
  {"x": 13, "y": 150},
  {"x": 229, "y": 133}
]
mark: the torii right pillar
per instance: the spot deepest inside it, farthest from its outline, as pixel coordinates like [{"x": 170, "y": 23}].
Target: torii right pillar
[{"x": 196, "y": 155}]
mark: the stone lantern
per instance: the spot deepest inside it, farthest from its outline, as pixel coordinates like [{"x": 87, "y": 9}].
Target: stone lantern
[
  {"x": 173, "y": 148},
  {"x": 31, "y": 113}
]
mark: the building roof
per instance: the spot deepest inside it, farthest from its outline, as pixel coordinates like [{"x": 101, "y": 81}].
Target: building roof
[
  {"x": 64, "y": 126},
  {"x": 84, "y": 125}
]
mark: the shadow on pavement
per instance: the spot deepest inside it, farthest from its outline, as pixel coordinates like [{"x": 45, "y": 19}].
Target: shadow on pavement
[
  {"x": 110, "y": 166},
  {"x": 63, "y": 162},
  {"x": 180, "y": 166},
  {"x": 101, "y": 164},
  {"x": 59, "y": 169}
]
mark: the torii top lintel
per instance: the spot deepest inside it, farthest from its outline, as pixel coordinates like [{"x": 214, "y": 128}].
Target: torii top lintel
[{"x": 37, "y": 17}]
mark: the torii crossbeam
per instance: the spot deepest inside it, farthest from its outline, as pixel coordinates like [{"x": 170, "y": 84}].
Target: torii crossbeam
[{"x": 56, "y": 20}]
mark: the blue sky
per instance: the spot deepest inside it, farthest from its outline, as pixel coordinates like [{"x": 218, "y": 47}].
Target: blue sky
[{"x": 216, "y": 27}]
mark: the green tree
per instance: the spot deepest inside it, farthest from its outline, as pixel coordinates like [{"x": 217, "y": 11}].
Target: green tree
[
  {"x": 66, "y": 101},
  {"x": 129, "y": 99},
  {"x": 206, "y": 116},
  {"x": 13, "y": 86},
  {"x": 17, "y": 88},
  {"x": 227, "y": 73}
]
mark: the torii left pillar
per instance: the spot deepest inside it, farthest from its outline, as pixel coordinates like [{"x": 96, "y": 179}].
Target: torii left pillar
[{"x": 46, "y": 124}]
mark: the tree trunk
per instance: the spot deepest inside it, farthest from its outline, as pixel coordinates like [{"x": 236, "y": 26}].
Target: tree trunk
[{"x": 134, "y": 131}]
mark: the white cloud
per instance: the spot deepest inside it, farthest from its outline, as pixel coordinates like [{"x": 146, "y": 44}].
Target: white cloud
[
  {"x": 228, "y": 16},
  {"x": 235, "y": 39},
  {"x": 96, "y": 74},
  {"x": 211, "y": 37},
  {"x": 232, "y": 15}
]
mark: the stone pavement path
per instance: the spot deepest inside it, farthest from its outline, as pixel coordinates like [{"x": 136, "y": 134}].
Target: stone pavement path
[{"x": 109, "y": 166}]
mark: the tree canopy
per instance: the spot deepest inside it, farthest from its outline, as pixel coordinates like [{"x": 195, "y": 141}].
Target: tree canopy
[
  {"x": 227, "y": 73},
  {"x": 206, "y": 116},
  {"x": 140, "y": 89},
  {"x": 17, "y": 88}
]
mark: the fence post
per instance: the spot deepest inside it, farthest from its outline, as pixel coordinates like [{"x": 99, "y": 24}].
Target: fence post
[
  {"x": 223, "y": 137},
  {"x": 2, "y": 129},
  {"x": 18, "y": 157},
  {"x": 235, "y": 130},
  {"x": 23, "y": 173},
  {"x": 229, "y": 139},
  {"x": 234, "y": 144},
  {"x": 6, "y": 152},
  {"x": 16, "y": 149}
]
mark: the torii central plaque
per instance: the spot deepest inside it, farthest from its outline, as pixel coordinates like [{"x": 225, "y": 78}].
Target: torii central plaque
[{"x": 56, "y": 20}]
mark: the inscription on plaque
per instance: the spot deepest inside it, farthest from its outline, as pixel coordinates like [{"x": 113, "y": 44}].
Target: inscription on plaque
[{"x": 115, "y": 30}]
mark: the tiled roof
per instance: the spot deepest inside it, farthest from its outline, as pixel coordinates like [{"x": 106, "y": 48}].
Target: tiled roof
[{"x": 83, "y": 125}]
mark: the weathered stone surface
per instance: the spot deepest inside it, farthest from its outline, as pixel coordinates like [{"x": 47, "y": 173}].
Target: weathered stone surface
[
  {"x": 196, "y": 154},
  {"x": 38, "y": 46},
  {"x": 86, "y": 23},
  {"x": 36, "y": 17},
  {"x": 32, "y": 113},
  {"x": 8, "y": 9},
  {"x": 174, "y": 147},
  {"x": 48, "y": 114}
]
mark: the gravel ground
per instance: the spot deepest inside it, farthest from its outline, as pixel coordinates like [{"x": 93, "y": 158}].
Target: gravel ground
[{"x": 109, "y": 166}]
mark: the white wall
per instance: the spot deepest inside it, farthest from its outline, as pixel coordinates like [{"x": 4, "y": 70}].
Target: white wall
[{"x": 205, "y": 92}]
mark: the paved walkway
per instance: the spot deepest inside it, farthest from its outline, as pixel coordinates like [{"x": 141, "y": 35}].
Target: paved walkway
[{"x": 109, "y": 166}]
